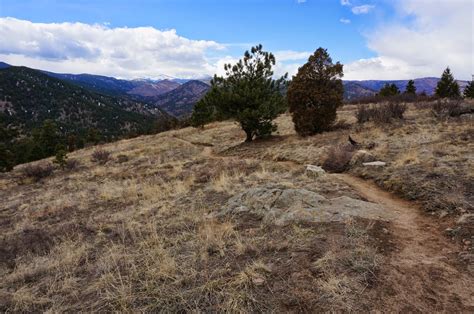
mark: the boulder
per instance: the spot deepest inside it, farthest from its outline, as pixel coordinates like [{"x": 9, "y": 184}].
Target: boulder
[
  {"x": 280, "y": 206},
  {"x": 313, "y": 171},
  {"x": 360, "y": 157},
  {"x": 377, "y": 163}
]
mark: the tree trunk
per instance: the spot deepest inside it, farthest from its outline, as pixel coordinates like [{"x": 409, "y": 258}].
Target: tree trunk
[{"x": 249, "y": 136}]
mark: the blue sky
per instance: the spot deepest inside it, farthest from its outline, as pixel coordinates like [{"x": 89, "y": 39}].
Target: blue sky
[{"x": 200, "y": 35}]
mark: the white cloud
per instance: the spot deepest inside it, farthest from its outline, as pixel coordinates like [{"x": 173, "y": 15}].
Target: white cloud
[
  {"x": 345, "y": 21},
  {"x": 363, "y": 9},
  {"x": 346, "y": 3},
  {"x": 290, "y": 55},
  {"x": 122, "y": 52},
  {"x": 439, "y": 35}
]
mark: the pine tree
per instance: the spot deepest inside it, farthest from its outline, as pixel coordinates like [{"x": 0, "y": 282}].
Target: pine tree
[
  {"x": 410, "y": 89},
  {"x": 247, "y": 93},
  {"x": 315, "y": 93},
  {"x": 469, "y": 90},
  {"x": 61, "y": 156},
  {"x": 447, "y": 87},
  {"x": 204, "y": 111},
  {"x": 389, "y": 90},
  {"x": 49, "y": 138}
]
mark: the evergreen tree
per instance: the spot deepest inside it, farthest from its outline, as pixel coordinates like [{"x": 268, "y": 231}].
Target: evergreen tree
[
  {"x": 61, "y": 156},
  {"x": 410, "y": 88},
  {"x": 247, "y": 93},
  {"x": 389, "y": 90},
  {"x": 315, "y": 93},
  {"x": 93, "y": 136},
  {"x": 7, "y": 158},
  {"x": 71, "y": 142},
  {"x": 447, "y": 87},
  {"x": 204, "y": 111},
  {"x": 49, "y": 138},
  {"x": 469, "y": 90}
]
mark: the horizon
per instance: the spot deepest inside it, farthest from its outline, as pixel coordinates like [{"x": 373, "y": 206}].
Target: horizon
[
  {"x": 374, "y": 39},
  {"x": 170, "y": 78}
]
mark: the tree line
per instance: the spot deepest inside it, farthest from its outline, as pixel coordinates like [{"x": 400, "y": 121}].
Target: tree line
[{"x": 249, "y": 94}]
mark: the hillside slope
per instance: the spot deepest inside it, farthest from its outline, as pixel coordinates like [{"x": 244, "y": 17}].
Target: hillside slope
[
  {"x": 196, "y": 220},
  {"x": 180, "y": 101},
  {"x": 28, "y": 97}
]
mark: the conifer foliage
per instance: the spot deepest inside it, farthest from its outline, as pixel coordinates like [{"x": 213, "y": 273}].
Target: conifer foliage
[
  {"x": 247, "y": 93},
  {"x": 389, "y": 90},
  {"x": 447, "y": 87},
  {"x": 315, "y": 93},
  {"x": 469, "y": 90},
  {"x": 410, "y": 89}
]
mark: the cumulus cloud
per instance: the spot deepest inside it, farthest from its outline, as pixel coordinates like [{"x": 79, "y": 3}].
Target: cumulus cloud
[
  {"x": 345, "y": 2},
  {"x": 362, "y": 9},
  {"x": 439, "y": 35},
  {"x": 121, "y": 52},
  {"x": 345, "y": 21}
]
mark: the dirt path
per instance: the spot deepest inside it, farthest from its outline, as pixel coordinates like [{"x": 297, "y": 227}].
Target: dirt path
[{"x": 419, "y": 275}]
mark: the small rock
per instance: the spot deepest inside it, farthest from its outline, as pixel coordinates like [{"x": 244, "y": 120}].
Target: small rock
[
  {"x": 466, "y": 219},
  {"x": 443, "y": 214},
  {"x": 258, "y": 281},
  {"x": 360, "y": 157},
  {"x": 377, "y": 163},
  {"x": 313, "y": 171}
]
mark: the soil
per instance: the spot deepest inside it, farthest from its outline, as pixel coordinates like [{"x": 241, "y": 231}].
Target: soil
[{"x": 423, "y": 273}]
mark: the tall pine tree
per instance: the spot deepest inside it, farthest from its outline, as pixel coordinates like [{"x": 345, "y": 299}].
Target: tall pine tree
[
  {"x": 247, "y": 93},
  {"x": 448, "y": 87},
  {"x": 410, "y": 89},
  {"x": 315, "y": 93}
]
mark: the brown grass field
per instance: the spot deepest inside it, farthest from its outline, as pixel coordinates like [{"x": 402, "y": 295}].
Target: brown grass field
[{"x": 138, "y": 231}]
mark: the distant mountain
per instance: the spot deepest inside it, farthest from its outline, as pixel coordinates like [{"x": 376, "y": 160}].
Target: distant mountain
[
  {"x": 98, "y": 83},
  {"x": 151, "y": 89},
  {"x": 180, "y": 101},
  {"x": 4, "y": 65},
  {"x": 355, "y": 90},
  {"x": 28, "y": 97},
  {"x": 359, "y": 89}
]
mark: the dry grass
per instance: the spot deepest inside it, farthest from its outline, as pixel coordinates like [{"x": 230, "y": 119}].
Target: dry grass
[{"x": 135, "y": 234}]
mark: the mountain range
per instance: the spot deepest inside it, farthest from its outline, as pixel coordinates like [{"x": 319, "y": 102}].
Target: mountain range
[
  {"x": 28, "y": 97},
  {"x": 178, "y": 96},
  {"x": 358, "y": 89}
]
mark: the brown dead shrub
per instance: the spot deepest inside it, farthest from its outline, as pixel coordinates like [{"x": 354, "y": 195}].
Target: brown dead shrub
[
  {"x": 38, "y": 172},
  {"x": 100, "y": 156},
  {"x": 338, "y": 158},
  {"x": 446, "y": 108},
  {"x": 381, "y": 113}
]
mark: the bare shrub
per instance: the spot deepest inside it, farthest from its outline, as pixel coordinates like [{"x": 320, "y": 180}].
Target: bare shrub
[
  {"x": 72, "y": 164},
  {"x": 449, "y": 108},
  {"x": 100, "y": 156},
  {"x": 363, "y": 114},
  {"x": 122, "y": 158},
  {"x": 338, "y": 158},
  {"x": 381, "y": 113},
  {"x": 38, "y": 172}
]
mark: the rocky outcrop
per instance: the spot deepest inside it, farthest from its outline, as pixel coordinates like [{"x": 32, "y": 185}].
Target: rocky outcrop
[{"x": 280, "y": 206}]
